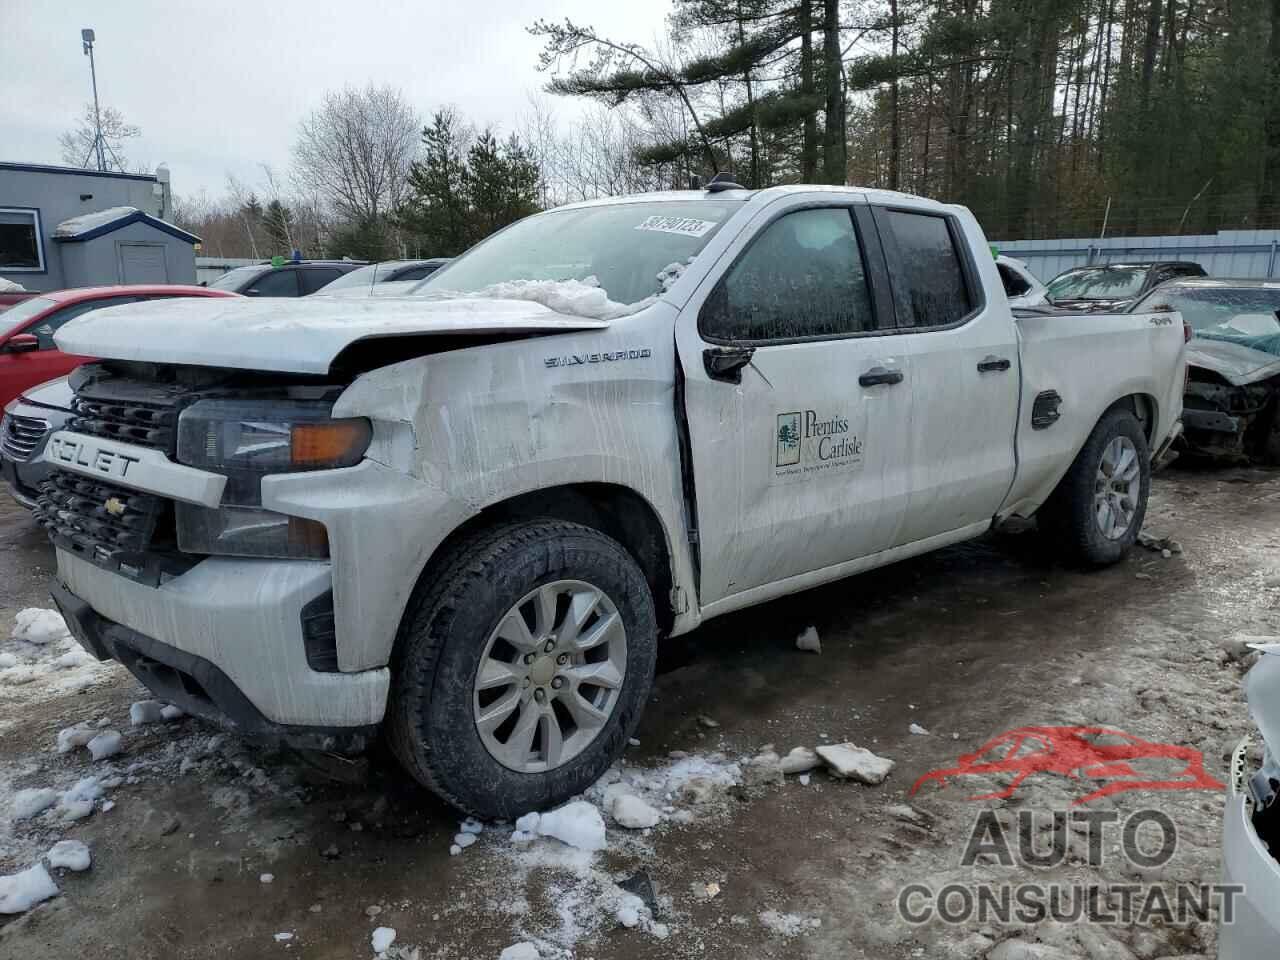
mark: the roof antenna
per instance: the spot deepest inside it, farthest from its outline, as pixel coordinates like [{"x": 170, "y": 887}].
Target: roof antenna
[{"x": 722, "y": 182}]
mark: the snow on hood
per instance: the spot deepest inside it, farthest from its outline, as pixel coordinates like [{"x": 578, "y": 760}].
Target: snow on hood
[
  {"x": 302, "y": 335},
  {"x": 9, "y": 286},
  {"x": 574, "y": 298},
  {"x": 91, "y": 221},
  {"x": 1239, "y": 364}
]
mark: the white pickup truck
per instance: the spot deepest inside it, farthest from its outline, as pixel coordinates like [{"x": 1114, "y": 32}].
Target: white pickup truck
[{"x": 467, "y": 517}]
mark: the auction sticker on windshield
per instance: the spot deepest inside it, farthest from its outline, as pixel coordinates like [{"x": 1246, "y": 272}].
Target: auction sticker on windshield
[{"x": 685, "y": 226}]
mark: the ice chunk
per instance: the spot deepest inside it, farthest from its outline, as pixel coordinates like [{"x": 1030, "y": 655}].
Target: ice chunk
[
  {"x": 918, "y": 730},
  {"x": 28, "y": 803},
  {"x": 70, "y": 854},
  {"x": 21, "y": 891},
  {"x": 855, "y": 763},
  {"x": 808, "y": 641},
  {"x": 105, "y": 744},
  {"x": 578, "y": 824},
  {"x": 463, "y": 840},
  {"x": 77, "y": 803},
  {"x": 146, "y": 711},
  {"x": 39, "y": 626},
  {"x": 528, "y": 823},
  {"x": 71, "y": 737},
  {"x": 800, "y": 760},
  {"x": 520, "y": 951},
  {"x": 10, "y": 286},
  {"x": 7, "y": 660},
  {"x": 170, "y": 712},
  {"x": 632, "y": 812},
  {"x": 283, "y": 936},
  {"x": 382, "y": 938},
  {"x": 471, "y": 825},
  {"x": 266, "y": 878}
]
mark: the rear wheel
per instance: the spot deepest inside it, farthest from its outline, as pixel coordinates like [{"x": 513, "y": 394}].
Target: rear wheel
[
  {"x": 522, "y": 667},
  {"x": 1097, "y": 510}
]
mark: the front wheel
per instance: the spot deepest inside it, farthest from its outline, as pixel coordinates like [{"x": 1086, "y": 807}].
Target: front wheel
[
  {"x": 1095, "y": 513},
  {"x": 522, "y": 667}
]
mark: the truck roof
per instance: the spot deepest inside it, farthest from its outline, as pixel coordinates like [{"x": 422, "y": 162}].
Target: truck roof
[{"x": 768, "y": 193}]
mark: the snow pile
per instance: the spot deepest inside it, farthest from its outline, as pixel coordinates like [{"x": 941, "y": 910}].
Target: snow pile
[
  {"x": 10, "y": 286},
  {"x": 520, "y": 951},
  {"x": 41, "y": 659},
  {"x": 39, "y": 626},
  {"x": 105, "y": 744},
  {"x": 574, "y": 298},
  {"x": 146, "y": 711},
  {"x": 917, "y": 730},
  {"x": 70, "y": 855},
  {"x": 77, "y": 803},
  {"x": 29, "y": 803},
  {"x": 851, "y": 762},
  {"x": 630, "y": 811},
  {"x": 808, "y": 641},
  {"x": 71, "y": 737},
  {"x": 91, "y": 221},
  {"x": 577, "y": 824},
  {"x": 21, "y": 891}
]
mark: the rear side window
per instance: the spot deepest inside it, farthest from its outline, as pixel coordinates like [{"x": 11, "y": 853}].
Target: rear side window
[
  {"x": 1014, "y": 284},
  {"x": 275, "y": 283},
  {"x": 928, "y": 275},
  {"x": 802, "y": 277},
  {"x": 317, "y": 277}
]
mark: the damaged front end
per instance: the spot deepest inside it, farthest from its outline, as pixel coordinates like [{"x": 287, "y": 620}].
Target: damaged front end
[
  {"x": 1251, "y": 829},
  {"x": 1230, "y": 403}
]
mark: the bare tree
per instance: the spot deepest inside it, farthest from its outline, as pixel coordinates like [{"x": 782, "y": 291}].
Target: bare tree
[
  {"x": 356, "y": 149},
  {"x": 77, "y": 143}
]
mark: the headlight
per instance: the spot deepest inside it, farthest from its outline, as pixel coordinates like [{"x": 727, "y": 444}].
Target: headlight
[{"x": 246, "y": 442}]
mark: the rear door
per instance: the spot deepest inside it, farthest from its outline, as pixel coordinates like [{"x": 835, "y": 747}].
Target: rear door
[
  {"x": 313, "y": 278},
  {"x": 800, "y": 457},
  {"x": 963, "y": 354},
  {"x": 277, "y": 282}
]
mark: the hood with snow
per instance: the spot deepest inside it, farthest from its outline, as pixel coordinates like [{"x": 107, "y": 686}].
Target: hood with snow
[{"x": 307, "y": 334}]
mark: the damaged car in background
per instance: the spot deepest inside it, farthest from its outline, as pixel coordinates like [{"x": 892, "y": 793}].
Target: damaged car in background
[
  {"x": 1231, "y": 407},
  {"x": 1113, "y": 286},
  {"x": 1251, "y": 831},
  {"x": 464, "y": 519}
]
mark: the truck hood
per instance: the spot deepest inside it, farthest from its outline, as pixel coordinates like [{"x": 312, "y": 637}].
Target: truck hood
[
  {"x": 1238, "y": 364},
  {"x": 291, "y": 336}
]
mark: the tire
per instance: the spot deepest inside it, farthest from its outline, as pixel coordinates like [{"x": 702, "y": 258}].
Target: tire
[
  {"x": 1073, "y": 517},
  {"x": 460, "y": 621}
]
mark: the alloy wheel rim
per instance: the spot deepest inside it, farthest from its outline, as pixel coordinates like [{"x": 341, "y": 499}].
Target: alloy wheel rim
[
  {"x": 1116, "y": 488},
  {"x": 550, "y": 676}
]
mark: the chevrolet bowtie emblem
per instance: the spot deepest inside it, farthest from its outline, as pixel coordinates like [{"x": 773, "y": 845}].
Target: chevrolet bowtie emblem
[{"x": 114, "y": 506}]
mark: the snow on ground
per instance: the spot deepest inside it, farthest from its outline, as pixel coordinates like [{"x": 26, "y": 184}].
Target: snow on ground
[
  {"x": 21, "y": 891},
  {"x": 41, "y": 660},
  {"x": 69, "y": 855}
]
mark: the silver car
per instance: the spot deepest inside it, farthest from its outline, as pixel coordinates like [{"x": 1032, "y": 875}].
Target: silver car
[{"x": 28, "y": 422}]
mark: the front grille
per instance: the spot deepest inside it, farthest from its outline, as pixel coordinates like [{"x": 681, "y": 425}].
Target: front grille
[
  {"x": 144, "y": 424},
  {"x": 19, "y": 436},
  {"x": 99, "y": 521}
]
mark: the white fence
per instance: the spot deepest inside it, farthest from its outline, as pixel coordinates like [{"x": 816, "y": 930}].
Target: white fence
[
  {"x": 1229, "y": 253},
  {"x": 209, "y": 269}
]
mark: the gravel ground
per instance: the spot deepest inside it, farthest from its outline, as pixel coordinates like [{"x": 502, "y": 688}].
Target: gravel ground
[{"x": 966, "y": 643}]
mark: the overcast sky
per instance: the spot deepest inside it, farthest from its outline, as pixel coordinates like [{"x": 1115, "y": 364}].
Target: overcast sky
[{"x": 219, "y": 85}]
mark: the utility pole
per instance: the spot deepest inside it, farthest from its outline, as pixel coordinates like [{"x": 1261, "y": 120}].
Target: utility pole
[{"x": 87, "y": 38}]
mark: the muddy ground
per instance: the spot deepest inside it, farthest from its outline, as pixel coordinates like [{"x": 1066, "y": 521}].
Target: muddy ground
[{"x": 967, "y": 643}]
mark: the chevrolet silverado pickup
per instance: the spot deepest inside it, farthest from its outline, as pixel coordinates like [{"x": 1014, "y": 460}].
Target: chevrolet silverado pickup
[{"x": 463, "y": 519}]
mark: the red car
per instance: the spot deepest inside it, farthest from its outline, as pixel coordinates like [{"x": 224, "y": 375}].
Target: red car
[{"x": 28, "y": 354}]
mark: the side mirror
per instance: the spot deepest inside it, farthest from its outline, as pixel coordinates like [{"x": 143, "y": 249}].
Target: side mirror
[
  {"x": 252, "y": 292},
  {"x": 22, "y": 343}
]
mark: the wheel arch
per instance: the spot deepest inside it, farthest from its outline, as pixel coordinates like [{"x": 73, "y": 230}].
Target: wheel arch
[{"x": 613, "y": 509}]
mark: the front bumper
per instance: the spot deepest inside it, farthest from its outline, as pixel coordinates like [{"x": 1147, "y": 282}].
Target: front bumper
[
  {"x": 233, "y": 628},
  {"x": 1254, "y": 931}
]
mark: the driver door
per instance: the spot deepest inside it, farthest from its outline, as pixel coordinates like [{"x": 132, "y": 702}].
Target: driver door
[{"x": 800, "y": 457}]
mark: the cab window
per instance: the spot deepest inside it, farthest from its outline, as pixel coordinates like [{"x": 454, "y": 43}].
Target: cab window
[{"x": 802, "y": 278}]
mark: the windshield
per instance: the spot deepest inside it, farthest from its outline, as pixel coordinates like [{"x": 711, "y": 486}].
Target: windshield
[
  {"x": 1205, "y": 307},
  {"x": 234, "y": 279},
  {"x": 365, "y": 276},
  {"x": 20, "y": 313},
  {"x": 1098, "y": 283},
  {"x": 624, "y": 246}
]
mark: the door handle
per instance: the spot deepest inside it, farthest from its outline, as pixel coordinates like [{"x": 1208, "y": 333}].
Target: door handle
[
  {"x": 880, "y": 375},
  {"x": 992, "y": 364},
  {"x": 726, "y": 363}
]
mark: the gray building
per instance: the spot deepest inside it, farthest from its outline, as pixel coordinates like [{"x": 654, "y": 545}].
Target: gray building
[{"x": 67, "y": 227}]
